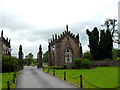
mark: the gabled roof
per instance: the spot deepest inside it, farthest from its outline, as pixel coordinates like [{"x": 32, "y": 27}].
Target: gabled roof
[
  {"x": 63, "y": 35},
  {"x": 5, "y": 40}
]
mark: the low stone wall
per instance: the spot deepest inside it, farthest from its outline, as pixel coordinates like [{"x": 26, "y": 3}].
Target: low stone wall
[{"x": 105, "y": 63}]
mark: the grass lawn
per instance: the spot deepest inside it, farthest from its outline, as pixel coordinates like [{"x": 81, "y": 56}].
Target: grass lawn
[
  {"x": 0, "y": 81},
  {"x": 102, "y": 77},
  {"x": 6, "y": 77}
]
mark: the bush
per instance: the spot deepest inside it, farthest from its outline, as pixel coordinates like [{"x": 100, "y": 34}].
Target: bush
[
  {"x": 77, "y": 63},
  {"x": 81, "y": 63},
  {"x": 56, "y": 67},
  {"x": 86, "y": 63},
  {"x": 87, "y": 55},
  {"x": 13, "y": 63},
  {"x": 116, "y": 54},
  {"x": 118, "y": 58}
]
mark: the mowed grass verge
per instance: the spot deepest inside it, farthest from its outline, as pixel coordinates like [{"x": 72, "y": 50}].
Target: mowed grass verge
[
  {"x": 101, "y": 77},
  {"x": 6, "y": 77}
]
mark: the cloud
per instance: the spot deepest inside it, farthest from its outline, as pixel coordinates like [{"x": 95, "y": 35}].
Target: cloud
[{"x": 35, "y": 21}]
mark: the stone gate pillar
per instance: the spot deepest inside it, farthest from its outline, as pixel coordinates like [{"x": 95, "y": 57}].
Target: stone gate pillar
[
  {"x": 39, "y": 55},
  {"x": 20, "y": 58}
]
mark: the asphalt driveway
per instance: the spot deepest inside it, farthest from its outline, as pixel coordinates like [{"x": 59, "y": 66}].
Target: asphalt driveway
[{"x": 31, "y": 77}]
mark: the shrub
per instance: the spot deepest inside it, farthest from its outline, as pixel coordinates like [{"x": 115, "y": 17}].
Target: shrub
[
  {"x": 86, "y": 63},
  {"x": 56, "y": 67},
  {"x": 77, "y": 63},
  {"x": 81, "y": 63},
  {"x": 87, "y": 55},
  {"x": 118, "y": 58},
  {"x": 5, "y": 63},
  {"x": 50, "y": 67}
]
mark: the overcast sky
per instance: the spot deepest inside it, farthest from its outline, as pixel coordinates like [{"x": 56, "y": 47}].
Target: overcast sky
[{"x": 32, "y": 22}]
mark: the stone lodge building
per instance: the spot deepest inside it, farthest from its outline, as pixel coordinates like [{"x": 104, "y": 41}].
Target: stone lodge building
[
  {"x": 5, "y": 44},
  {"x": 66, "y": 48}
]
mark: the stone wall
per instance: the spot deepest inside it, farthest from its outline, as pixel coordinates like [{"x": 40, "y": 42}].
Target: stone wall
[{"x": 105, "y": 63}]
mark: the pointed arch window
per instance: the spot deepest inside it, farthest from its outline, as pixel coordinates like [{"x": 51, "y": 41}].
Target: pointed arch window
[{"x": 68, "y": 55}]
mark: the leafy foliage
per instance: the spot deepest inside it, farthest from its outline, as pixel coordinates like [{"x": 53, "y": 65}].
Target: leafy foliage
[
  {"x": 81, "y": 63},
  {"x": 77, "y": 63},
  {"x": 59, "y": 67},
  {"x": 105, "y": 45},
  {"x": 87, "y": 55},
  {"x": 86, "y": 63},
  {"x": 5, "y": 63},
  {"x": 94, "y": 42},
  {"x": 100, "y": 49},
  {"x": 110, "y": 25},
  {"x": 102, "y": 45},
  {"x": 116, "y": 54},
  {"x": 28, "y": 59},
  {"x": 45, "y": 57},
  {"x": 109, "y": 44}
]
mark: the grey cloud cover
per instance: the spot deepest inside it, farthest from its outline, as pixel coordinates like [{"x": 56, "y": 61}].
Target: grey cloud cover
[{"x": 21, "y": 31}]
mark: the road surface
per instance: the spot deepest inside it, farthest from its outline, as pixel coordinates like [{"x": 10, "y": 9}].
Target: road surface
[{"x": 31, "y": 77}]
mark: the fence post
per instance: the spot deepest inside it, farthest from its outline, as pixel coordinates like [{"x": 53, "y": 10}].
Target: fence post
[
  {"x": 53, "y": 72},
  {"x": 81, "y": 81},
  {"x": 43, "y": 68},
  {"x": 48, "y": 69},
  {"x": 64, "y": 75},
  {"x": 8, "y": 85},
  {"x": 13, "y": 78}
]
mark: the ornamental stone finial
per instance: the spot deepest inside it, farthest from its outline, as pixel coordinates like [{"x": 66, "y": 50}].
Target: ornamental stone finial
[
  {"x": 40, "y": 48},
  {"x": 67, "y": 28},
  {"x": 2, "y": 33}
]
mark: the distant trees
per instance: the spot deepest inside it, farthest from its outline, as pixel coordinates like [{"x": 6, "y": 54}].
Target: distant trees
[
  {"x": 28, "y": 59},
  {"x": 45, "y": 57},
  {"x": 110, "y": 25}
]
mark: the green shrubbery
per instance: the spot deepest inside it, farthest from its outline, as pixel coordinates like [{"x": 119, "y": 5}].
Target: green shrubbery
[
  {"x": 5, "y": 63},
  {"x": 77, "y": 64},
  {"x": 81, "y": 63},
  {"x": 116, "y": 54},
  {"x": 118, "y": 58},
  {"x": 59, "y": 67},
  {"x": 88, "y": 55}
]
